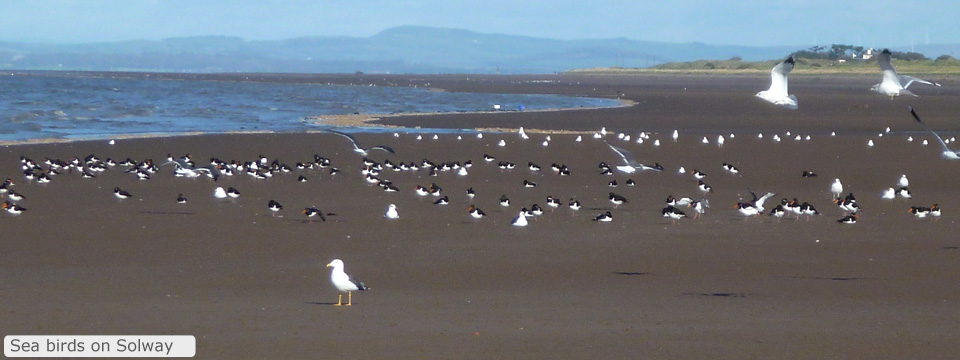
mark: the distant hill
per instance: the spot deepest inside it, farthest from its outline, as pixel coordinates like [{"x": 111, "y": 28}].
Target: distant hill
[{"x": 405, "y": 49}]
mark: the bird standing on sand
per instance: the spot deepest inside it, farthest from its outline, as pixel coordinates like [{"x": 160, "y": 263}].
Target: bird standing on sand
[
  {"x": 836, "y": 188},
  {"x": 120, "y": 194},
  {"x": 345, "y": 283},
  {"x": 520, "y": 220},
  {"x": 312, "y": 212},
  {"x": 392, "y": 212},
  {"x": 274, "y": 207}
]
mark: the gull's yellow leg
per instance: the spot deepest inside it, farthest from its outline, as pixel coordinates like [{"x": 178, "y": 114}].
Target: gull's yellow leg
[
  {"x": 339, "y": 300},
  {"x": 349, "y": 298}
]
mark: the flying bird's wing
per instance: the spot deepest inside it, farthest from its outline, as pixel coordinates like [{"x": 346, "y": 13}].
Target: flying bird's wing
[
  {"x": 384, "y": 148},
  {"x": 625, "y": 155},
  {"x": 348, "y": 136},
  {"x": 943, "y": 145},
  {"x": 778, "y": 76},
  {"x": 906, "y": 80}
]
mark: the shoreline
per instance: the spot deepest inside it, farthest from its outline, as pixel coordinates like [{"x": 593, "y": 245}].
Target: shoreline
[{"x": 242, "y": 278}]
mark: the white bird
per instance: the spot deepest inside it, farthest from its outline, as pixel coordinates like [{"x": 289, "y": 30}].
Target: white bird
[
  {"x": 889, "y": 193},
  {"x": 836, "y": 188},
  {"x": 344, "y": 283},
  {"x": 357, "y": 148},
  {"x": 893, "y": 84},
  {"x": 777, "y": 93},
  {"x": 220, "y": 193},
  {"x": 523, "y": 135},
  {"x": 392, "y": 212},
  {"x": 705, "y": 141},
  {"x": 870, "y": 143},
  {"x": 676, "y": 134},
  {"x": 904, "y": 182},
  {"x": 720, "y": 141},
  {"x": 656, "y": 142},
  {"x": 631, "y": 163},
  {"x": 520, "y": 220},
  {"x": 579, "y": 138},
  {"x": 947, "y": 153},
  {"x": 480, "y": 136},
  {"x": 502, "y": 143}
]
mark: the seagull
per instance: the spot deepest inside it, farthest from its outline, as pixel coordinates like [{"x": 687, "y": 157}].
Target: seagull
[
  {"x": 947, "y": 153},
  {"x": 893, "y": 84},
  {"x": 904, "y": 182},
  {"x": 520, "y": 220},
  {"x": 631, "y": 163},
  {"x": 777, "y": 93},
  {"x": 344, "y": 283},
  {"x": 392, "y": 212},
  {"x": 357, "y": 148},
  {"x": 836, "y": 188}
]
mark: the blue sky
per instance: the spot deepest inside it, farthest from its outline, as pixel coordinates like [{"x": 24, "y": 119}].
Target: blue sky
[{"x": 877, "y": 23}]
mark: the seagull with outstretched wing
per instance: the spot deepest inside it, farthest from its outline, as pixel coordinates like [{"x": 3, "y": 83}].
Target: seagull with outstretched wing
[
  {"x": 777, "y": 93},
  {"x": 947, "y": 153},
  {"x": 893, "y": 84},
  {"x": 631, "y": 163},
  {"x": 357, "y": 148}
]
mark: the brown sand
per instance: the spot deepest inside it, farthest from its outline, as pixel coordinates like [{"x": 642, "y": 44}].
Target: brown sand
[{"x": 248, "y": 285}]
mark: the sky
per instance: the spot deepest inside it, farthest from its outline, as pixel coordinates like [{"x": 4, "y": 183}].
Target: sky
[{"x": 877, "y": 23}]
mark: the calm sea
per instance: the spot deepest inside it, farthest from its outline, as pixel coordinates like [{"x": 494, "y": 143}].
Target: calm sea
[{"x": 38, "y": 107}]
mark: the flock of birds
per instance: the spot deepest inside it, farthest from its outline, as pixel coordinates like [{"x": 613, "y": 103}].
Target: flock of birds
[{"x": 372, "y": 173}]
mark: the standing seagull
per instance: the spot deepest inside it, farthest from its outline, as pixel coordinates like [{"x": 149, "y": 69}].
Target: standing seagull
[
  {"x": 893, "y": 84},
  {"x": 392, "y": 212},
  {"x": 836, "y": 188},
  {"x": 777, "y": 93},
  {"x": 344, "y": 283},
  {"x": 947, "y": 153},
  {"x": 357, "y": 148}
]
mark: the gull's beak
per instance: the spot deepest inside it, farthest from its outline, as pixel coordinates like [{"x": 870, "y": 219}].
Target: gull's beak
[{"x": 330, "y": 265}]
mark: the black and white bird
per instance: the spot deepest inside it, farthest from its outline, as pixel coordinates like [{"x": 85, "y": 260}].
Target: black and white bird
[
  {"x": 617, "y": 200},
  {"x": 849, "y": 219},
  {"x": 120, "y": 194},
  {"x": 892, "y": 84},
  {"x": 181, "y": 199},
  {"x": 673, "y": 213},
  {"x": 312, "y": 212},
  {"x": 475, "y": 212},
  {"x": 777, "y": 94},
  {"x": 604, "y": 217},
  {"x": 356, "y": 147},
  {"x": 274, "y": 207},
  {"x": 344, "y": 283}
]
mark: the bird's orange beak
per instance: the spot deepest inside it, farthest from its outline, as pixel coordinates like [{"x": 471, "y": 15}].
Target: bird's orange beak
[{"x": 330, "y": 265}]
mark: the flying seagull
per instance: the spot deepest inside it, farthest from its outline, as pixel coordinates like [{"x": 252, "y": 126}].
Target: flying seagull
[
  {"x": 357, "y": 148},
  {"x": 893, "y": 84},
  {"x": 947, "y": 153},
  {"x": 777, "y": 93},
  {"x": 343, "y": 282},
  {"x": 631, "y": 164}
]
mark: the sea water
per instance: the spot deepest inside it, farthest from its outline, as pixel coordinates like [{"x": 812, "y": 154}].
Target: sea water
[{"x": 39, "y": 107}]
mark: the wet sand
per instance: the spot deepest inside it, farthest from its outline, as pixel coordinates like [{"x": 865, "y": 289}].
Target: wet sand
[{"x": 250, "y": 285}]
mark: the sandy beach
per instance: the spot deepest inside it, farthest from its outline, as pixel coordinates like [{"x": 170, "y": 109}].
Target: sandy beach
[{"x": 252, "y": 285}]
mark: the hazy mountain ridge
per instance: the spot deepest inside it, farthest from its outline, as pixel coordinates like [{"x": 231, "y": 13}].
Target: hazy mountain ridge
[{"x": 405, "y": 49}]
